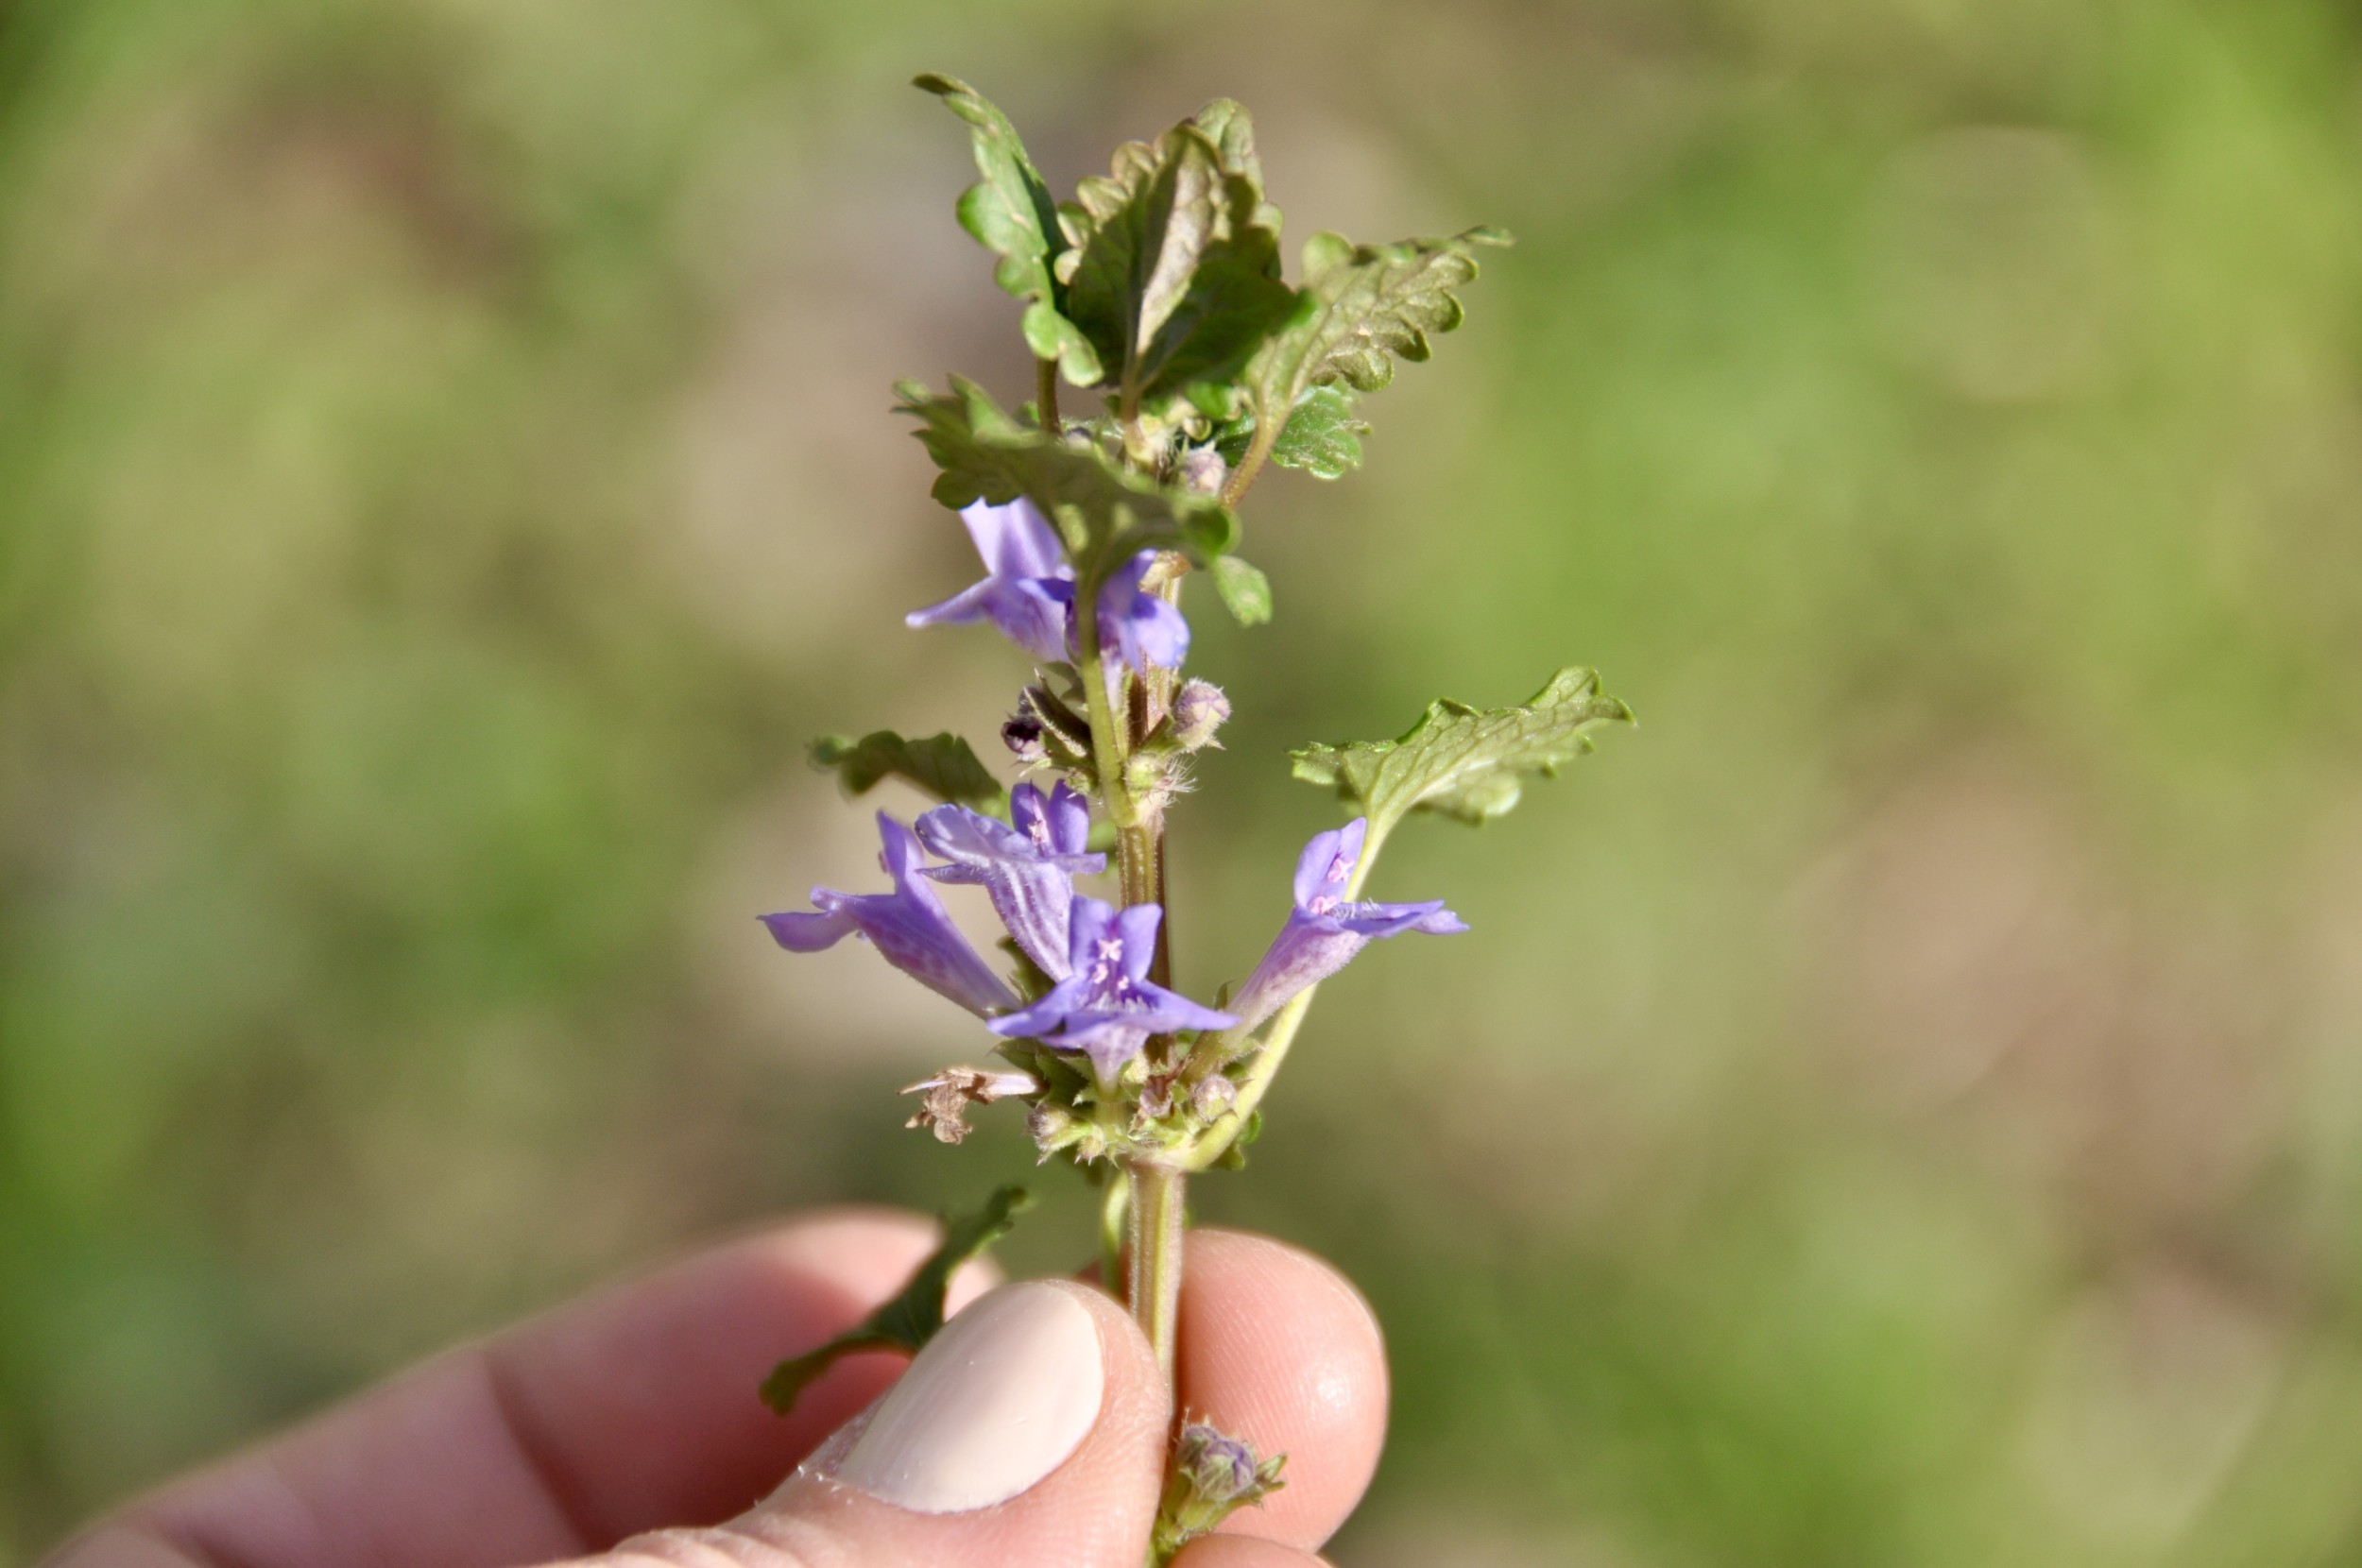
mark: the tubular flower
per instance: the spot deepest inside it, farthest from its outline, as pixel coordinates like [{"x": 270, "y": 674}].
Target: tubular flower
[
  {"x": 909, "y": 928},
  {"x": 1106, "y": 1006},
  {"x": 1146, "y": 631},
  {"x": 1324, "y": 932},
  {"x": 1028, "y": 870},
  {"x": 1028, "y": 589},
  {"x": 1138, "y": 627}
]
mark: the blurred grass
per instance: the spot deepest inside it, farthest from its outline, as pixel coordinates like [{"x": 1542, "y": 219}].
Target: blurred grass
[{"x": 1899, "y": 1106}]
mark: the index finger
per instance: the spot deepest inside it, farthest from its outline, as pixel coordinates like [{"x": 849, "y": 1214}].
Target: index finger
[{"x": 633, "y": 1409}]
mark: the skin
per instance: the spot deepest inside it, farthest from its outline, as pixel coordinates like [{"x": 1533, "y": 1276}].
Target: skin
[{"x": 621, "y": 1431}]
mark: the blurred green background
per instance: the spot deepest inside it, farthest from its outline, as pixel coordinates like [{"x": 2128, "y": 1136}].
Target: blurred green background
[{"x": 1903, "y": 1105}]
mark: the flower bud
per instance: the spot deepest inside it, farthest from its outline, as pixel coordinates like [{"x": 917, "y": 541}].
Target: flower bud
[
  {"x": 1202, "y": 471},
  {"x": 1056, "y": 1127},
  {"x": 1212, "y": 1098},
  {"x": 1222, "y": 1468},
  {"x": 1023, "y": 736},
  {"x": 1050, "y": 1124},
  {"x": 1198, "y": 711},
  {"x": 1213, "y": 1475}
]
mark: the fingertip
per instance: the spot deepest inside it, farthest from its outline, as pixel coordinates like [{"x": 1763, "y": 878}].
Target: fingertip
[
  {"x": 1279, "y": 1348},
  {"x": 1244, "y": 1551},
  {"x": 990, "y": 1450}
]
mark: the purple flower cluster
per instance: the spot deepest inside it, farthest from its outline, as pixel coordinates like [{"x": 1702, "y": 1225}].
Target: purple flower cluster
[
  {"x": 1101, "y": 1002},
  {"x": 1028, "y": 592},
  {"x": 1086, "y": 986}
]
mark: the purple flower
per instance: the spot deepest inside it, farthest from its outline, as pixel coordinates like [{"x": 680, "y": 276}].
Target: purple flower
[
  {"x": 1325, "y": 931},
  {"x": 908, "y": 927},
  {"x": 1028, "y": 589},
  {"x": 1028, "y": 592},
  {"x": 1106, "y": 1006},
  {"x": 1148, "y": 632},
  {"x": 1140, "y": 629},
  {"x": 1027, "y": 870}
]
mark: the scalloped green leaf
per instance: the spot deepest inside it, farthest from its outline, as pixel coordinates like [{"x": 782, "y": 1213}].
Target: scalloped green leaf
[
  {"x": 1322, "y": 437},
  {"x": 915, "y": 1314},
  {"x": 1466, "y": 764},
  {"x": 1103, "y": 513},
  {"x": 944, "y": 766},
  {"x": 1245, "y": 591},
  {"x": 1010, "y": 212},
  {"x": 1231, "y": 128},
  {"x": 1361, "y": 308},
  {"x": 1172, "y": 271}
]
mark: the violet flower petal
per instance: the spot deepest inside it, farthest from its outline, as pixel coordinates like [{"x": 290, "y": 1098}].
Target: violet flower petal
[
  {"x": 1024, "y": 568},
  {"x": 1141, "y": 629},
  {"x": 909, "y": 926},
  {"x": 1059, "y": 824},
  {"x": 1324, "y": 932},
  {"x": 1014, "y": 540},
  {"x": 1027, "y": 870},
  {"x": 1106, "y": 1006}
]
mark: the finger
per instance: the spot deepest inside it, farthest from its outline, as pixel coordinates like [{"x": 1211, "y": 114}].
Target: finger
[
  {"x": 634, "y": 1409},
  {"x": 1278, "y": 1349},
  {"x": 1243, "y": 1551},
  {"x": 1031, "y": 1431}
]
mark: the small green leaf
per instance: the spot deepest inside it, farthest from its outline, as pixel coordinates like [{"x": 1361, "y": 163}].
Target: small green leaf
[
  {"x": 1464, "y": 762},
  {"x": 944, "y": 766},
  {"x": 1172, "y": 272},
  {"x": 1228, "y": 124},
  {"x": 1103, "y": 513},
  {"x": 916, "y": 1312},
  {"x": 1244, "y": 590},
  {"x": 1010, "y": 212},
  {"x": 1362, "y": 307},
  {"x": 1321, "y": 436},
  {"x": 1377, "y": 301}
]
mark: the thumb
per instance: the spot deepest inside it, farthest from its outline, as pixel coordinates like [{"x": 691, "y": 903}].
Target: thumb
[{"x": 1031, "y": 1430}]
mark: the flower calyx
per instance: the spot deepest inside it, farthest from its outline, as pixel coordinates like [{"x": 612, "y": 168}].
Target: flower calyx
[
  {"x": 951, "y": 1092},
  {"x": 1213, "y": 1475},
  {"x": 1199, "y": 709},
  {"x": 1047, "y": 731}
]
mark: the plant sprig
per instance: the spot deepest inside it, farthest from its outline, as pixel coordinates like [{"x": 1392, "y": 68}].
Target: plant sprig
[{"x": 1159, "y": 290}]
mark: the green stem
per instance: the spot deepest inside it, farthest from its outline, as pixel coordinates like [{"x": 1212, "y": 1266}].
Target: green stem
[
  {"x": 1153, "y": 1282},
  {"x": 1254, "y": 1084},
  {"x": 1244, "y": 476},
  {"x": 1046, "y": 395},
  {"x": 1115, "y": 1217},
  {"x": 1157, "y": 1194},
  {"x": 1108, "y": 752}
]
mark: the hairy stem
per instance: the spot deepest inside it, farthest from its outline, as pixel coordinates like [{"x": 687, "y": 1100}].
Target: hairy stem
[
  {"x": 1251, "y": 464},
  {"x": 1115, "y": 1219},
  {"x": 1108, "y": 752},
  {"x": 1153, "y": 1283},
  {"x": 1255, "y": 1083},
  {"x": 1046, "y": 395},
  {"x": 1158, "y": 1193}
]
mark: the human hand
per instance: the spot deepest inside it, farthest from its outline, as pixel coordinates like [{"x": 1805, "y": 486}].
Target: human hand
[{"x": 626, "y": 1425}]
